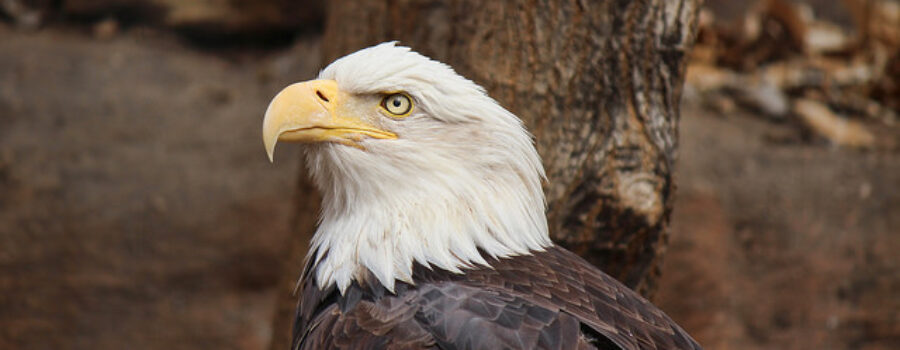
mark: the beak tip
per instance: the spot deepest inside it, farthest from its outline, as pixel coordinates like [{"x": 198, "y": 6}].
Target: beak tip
[
  {"x": 269, "y": 143},
  {"x": 270, "y": 151}
]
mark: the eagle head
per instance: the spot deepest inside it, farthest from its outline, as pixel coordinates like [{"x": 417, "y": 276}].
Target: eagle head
[{"x": 416, "y": 164}]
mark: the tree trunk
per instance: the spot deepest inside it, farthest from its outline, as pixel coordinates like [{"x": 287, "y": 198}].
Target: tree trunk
[{"x": 598, "y": 83}]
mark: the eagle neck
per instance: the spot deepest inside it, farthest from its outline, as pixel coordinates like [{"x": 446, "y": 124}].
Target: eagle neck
[{"x": 372, "y": 227}]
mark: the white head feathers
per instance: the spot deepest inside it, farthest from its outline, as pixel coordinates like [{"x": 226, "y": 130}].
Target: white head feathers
[{"x": 462, "y": 175}]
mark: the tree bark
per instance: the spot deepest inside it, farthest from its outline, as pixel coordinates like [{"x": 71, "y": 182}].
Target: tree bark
[{"x": 598, "y": 83}]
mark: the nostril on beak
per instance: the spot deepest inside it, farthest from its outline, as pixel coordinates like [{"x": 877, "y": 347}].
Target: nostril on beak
[{"x": 322, "y": 96}]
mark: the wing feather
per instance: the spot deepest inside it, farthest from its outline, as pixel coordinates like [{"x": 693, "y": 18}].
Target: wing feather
[{"x": 549, "y": 300}]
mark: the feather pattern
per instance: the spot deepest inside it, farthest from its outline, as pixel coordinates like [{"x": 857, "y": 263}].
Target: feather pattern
[
  {"x": 462, "y": 176},
  {"x": 438, "y": 239},
  {"x": 549, "y": 300}
]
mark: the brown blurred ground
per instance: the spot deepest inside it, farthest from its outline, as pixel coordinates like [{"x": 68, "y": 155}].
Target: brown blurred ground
[
  {"x": 137, "y": 209},
  {"x": 782, "y": 245}
]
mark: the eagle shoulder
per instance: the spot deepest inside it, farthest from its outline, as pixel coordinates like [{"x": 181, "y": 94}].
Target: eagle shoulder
[
  {"x": 443, "y": 315},
  {"x": 605, "y": 307},
  {"x": 548, "y": 300}
]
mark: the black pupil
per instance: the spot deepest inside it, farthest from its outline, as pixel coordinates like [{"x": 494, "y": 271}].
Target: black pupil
[{"x": 397, "y": 102}]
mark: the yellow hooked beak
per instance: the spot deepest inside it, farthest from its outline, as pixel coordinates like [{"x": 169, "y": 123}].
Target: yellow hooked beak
[{"x": 308, "y": 112}]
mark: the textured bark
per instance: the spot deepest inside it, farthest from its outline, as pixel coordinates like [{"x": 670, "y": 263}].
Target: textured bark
[{"x": 597, "y": 82}]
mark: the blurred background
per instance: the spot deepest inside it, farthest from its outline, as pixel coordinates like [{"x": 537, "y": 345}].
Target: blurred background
[{"x": 138, "y": 209}]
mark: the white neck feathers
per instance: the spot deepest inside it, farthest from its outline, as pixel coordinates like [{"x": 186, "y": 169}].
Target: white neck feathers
[{"x": 379, "y": 221}]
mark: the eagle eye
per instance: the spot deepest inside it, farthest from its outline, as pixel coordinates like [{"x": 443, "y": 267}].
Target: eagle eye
[{"x": 399, "y": 104}]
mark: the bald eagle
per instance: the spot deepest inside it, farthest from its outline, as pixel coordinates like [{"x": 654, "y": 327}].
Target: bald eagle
[{"x": 432, "y": 232}]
